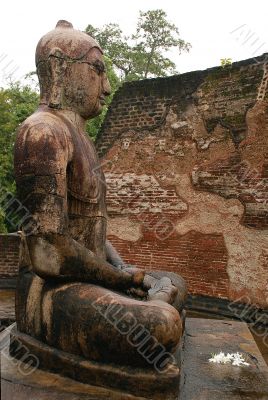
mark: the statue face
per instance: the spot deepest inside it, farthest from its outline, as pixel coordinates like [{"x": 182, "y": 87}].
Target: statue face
[{"x": 87, "y": 85}]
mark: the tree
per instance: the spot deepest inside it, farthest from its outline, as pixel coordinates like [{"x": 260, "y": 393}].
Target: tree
[
  {"x": 156, "y": 35},
  {"x": 17, "y": 102},
  {"x": 141, "y": 55}
]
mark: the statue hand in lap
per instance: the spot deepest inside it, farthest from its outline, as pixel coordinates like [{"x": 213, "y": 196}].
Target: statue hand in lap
[{"x": 67, "y": 265}]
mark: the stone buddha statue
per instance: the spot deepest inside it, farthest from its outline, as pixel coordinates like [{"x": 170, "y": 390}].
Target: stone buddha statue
[{"x": 70, "y": 276}]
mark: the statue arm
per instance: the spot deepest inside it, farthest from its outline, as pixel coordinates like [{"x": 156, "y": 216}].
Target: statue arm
[
  {"x": 41, "y": 159},
  {"x": 61, "y": 257}
]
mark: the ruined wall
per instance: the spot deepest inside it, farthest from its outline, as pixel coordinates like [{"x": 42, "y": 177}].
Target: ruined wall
[
  {"x": 186, "y": 163},
  {"x": 9, "y": 256}
]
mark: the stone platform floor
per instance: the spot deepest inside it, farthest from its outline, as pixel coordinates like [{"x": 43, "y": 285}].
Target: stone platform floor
[
  {"x": 7, "y": 304},
  {"x": 200, "y": 380}
]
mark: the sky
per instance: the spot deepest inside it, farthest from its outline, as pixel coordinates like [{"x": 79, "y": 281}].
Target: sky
[{"x": 235, "y": 29}]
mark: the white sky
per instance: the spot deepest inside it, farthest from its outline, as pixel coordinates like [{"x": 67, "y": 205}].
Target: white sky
[{"x": 206, "y": 24}]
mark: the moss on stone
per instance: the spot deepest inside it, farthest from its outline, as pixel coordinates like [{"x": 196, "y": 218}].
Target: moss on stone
[{"x": 234, "y": 120}]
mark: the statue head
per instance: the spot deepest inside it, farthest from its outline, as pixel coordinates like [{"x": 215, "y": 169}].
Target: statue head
[{"x": 71, "y": 71}]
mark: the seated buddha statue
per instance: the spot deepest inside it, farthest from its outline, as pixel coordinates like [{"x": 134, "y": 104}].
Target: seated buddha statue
[{"x": 70, "y": 275}]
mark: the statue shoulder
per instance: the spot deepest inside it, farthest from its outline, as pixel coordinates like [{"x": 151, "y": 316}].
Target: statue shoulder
[
  {"x": 44, "y": 141},
  {"x": 42, "y": 126}
]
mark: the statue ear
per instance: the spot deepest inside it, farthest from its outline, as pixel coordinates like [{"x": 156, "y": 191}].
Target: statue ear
[{"x": 58, "y": 67}]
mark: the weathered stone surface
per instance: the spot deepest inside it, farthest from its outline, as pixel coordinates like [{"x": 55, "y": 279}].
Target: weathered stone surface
[
  {"x": 7, "y": 306},
  {"x": 41, "y": 385},
  {"x": 203, "y": 380},
  {"x": 148, "y": 383}
]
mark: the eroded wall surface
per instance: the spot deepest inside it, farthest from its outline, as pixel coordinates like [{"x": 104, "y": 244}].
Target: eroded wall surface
[{"x": 186, "y": 164}]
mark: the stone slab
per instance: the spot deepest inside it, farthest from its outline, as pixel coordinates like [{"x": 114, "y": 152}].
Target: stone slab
[
  {"x": 42, "y": 385},
  {"x": 201, "y": 380},
  {"x": 7, "y": 304}
]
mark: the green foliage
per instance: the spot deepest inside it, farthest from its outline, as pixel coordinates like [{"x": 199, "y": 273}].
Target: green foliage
[
  {"x": 141, "y": 55},
  {"x": 3, "y": 228},
  {"x": 225, "y": 62},
  {"x": 16, "y": 103},
  {"x": 156, "y": 35}
]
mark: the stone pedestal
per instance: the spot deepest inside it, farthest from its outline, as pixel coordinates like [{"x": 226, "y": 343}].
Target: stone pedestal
[
  {"x": 199, "y": 379},
  {"x": 144, "y": 383}
]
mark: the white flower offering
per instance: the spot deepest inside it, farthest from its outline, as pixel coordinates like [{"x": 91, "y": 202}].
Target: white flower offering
[{"x": 231, "y": 358}]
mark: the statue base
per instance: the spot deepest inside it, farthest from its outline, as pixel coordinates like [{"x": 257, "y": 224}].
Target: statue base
[
  {"x": 145, "y": 383},
  {"x": 198, "y": 379}
]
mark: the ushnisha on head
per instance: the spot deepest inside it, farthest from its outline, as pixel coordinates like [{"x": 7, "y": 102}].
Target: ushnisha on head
[{"x": 71, "y": 71}]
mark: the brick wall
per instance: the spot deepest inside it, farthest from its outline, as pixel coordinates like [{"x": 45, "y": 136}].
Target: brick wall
[
  {"x": 200, "y": 259},
  {"x": 186, "y": 159},
  {"x": 9, "y": 256}
]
